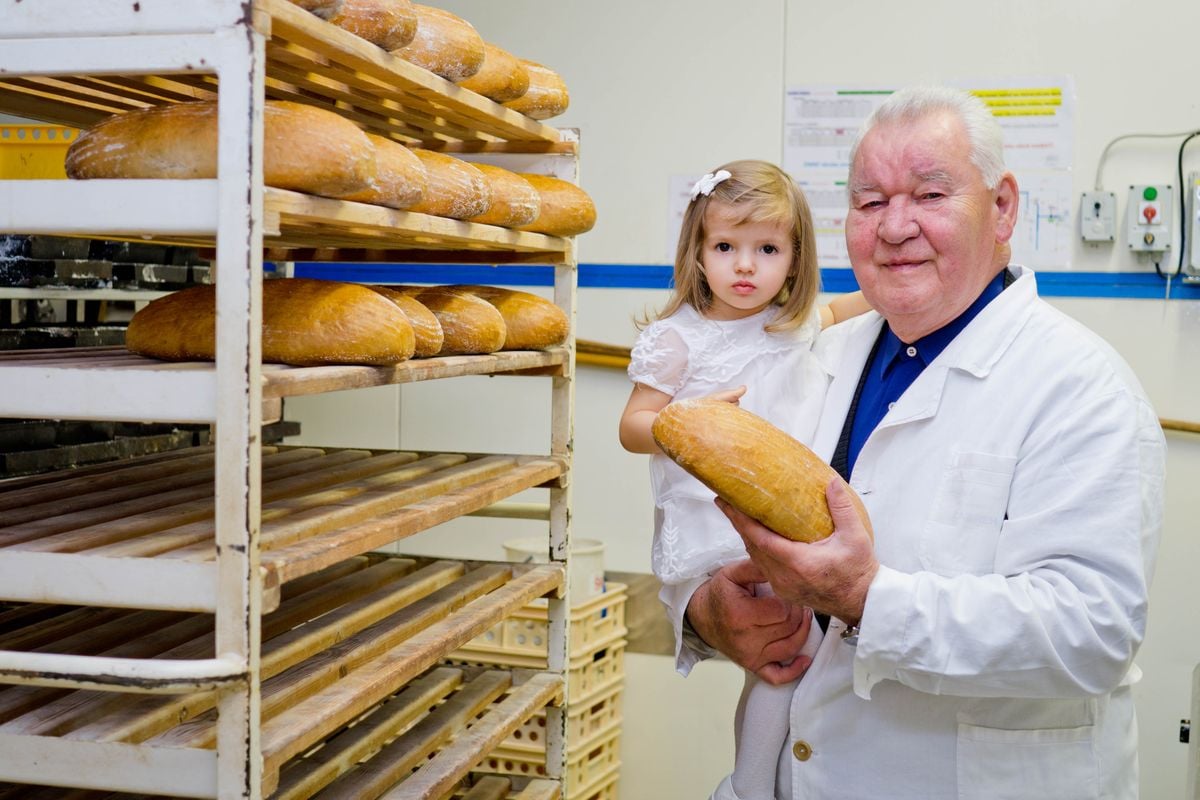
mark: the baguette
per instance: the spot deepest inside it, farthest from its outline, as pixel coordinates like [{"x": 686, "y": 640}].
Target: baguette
[
  {"x": 427, "y": 331},
  {"x": 503, "y": 76},
  {"x": 306, "y": 149},
  {"x": 752, "y": 465},
  {"x": 400, "y": 177},
  {"x": 305, "y": 323},
  {"x": 453, "y": 188},
  {"x": 445, "y": 44},
  {"x": 514, "y": 200},
  {"x": 470, "y": 325},
  {"x": 391, "y": 24},
  {"x": 546, "y": 96},
  {"x": 564, "y": 208},
  {"x": 531, "y": 322}
]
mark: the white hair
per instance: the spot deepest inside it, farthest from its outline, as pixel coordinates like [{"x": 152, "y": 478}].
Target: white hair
[{"x": 918, "y": 102}]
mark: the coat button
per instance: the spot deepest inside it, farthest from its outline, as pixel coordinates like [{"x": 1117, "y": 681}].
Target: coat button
[{"x": 802, "y": 750}]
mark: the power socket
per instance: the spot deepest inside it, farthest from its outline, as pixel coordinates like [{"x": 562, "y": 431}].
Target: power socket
[
  {"x": 1098, "y": 216},
  {"x": 1148, "y": 218}
]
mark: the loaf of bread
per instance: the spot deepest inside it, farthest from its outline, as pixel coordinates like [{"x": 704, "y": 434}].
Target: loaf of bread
[
  {"x": 502, "y": 77},
  {"x": 531, "y": 322},
  {"x": 453, "y": 188},
  {"x": 306, "y": 149},
  {"x": 752, "y": 465},
  {"x": 445, "y": 44},
  {"x": 427, "y": 331},
  {"x": 400, "y": 178},
  {"x": 514, "y": 200},
  {"x": 564, "y": 208},
  {"x": 470, "y": 325},
  {"x": 391, "y": 24},
  {"x": 325, "y": 9},
  {"x": 305, "y": 323},
  {"x": 546, "y": 96}
]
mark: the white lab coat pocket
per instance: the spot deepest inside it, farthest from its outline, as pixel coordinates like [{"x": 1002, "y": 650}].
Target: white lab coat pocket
[
  {"x": 1046, "y": 764},
  {"x": 966, "y": 514}
]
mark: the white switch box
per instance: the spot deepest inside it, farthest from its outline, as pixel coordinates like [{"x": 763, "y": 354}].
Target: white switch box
[
  {"x": 1098, "y": 217},
  {"x": 1148, "y": 218}
]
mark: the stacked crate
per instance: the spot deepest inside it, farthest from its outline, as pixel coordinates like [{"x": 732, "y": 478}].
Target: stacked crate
[{"x": 595, "y": 686}]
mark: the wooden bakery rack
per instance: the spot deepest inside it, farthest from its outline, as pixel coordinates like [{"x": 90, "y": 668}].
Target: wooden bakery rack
[{"x": 216, "y": 622}]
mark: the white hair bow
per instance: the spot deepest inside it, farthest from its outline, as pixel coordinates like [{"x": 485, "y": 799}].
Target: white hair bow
[{"x": 708, "y": 182}]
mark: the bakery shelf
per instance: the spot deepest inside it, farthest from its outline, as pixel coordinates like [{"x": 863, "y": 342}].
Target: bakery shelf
[
  {"x": 132, "y": 209},
  {"x": 111, "y": 383},
  {"x": 308, "y": 60},
  {"x": 342, "y": 642},
  {"x": 128, "y": 540}
]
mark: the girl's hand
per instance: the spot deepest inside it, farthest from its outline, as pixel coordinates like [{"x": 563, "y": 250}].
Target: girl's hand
[{"x": 729, "y": 396}]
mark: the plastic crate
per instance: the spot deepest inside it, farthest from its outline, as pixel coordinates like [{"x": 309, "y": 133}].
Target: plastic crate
[
  {"x": 586, "y": 677},
  {"x": 520, "y": 640},
  {"x": 587, "y": 722},
  {"x": 605, "y": 788},
  {"x": 34, "y": 151},
  {"x": 588, "y": 767}
]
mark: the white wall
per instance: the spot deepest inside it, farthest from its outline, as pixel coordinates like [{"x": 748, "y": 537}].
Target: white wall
[{"x": 678, "y": 86}]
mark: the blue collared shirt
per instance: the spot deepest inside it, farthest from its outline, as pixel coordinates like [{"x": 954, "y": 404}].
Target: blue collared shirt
[{"x": 895, "y": 365}]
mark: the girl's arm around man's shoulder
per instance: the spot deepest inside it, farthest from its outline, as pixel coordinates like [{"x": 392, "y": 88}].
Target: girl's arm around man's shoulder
[{"x": 843, "y": 307}]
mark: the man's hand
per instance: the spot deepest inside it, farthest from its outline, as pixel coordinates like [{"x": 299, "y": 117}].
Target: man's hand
[
  {"x": 832, "y": 575},
  {"x": 762, "y": 634}
]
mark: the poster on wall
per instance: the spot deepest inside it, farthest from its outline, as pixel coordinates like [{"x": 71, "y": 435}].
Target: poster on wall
[{"x": 1036, "y": 115}]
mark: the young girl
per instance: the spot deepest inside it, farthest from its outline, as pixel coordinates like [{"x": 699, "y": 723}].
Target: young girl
[{"x": 740, "y": 327}]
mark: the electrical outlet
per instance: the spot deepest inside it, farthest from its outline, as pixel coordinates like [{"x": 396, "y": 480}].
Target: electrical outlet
[
  {"x": 1148, "y": 218},
  {"x": 1098, "y": 216}
]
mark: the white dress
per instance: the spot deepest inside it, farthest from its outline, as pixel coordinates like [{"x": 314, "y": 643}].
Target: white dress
[{"x": 686, "y": 355}]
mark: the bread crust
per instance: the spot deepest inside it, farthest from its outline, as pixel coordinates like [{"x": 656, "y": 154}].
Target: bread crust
[
  {"x": 752, "y": 465},
  {"x": 546, "y": 96},
  {"x": 564, "y": 208},
  {"x": 305, "y": 149},
  {"x": 391, "y": 24},
  {"x": 531, "y": 322},
  {"x": 514, "y": 200},
  {"x": 427, "y": 331},
  {"x": 445, "y": 44},
  {"x": 470, "y": 324},
  {"x": 503, "y": 76},
  {"x": 400, "y": 178},
  {"x": 306, "y": 322},
  {"x": 453, "y": 188}
]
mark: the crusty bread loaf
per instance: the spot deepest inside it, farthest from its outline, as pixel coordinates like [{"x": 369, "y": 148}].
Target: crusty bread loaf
[
  {"x": 752, "y": 465},
  {"x": 305, "y": 323},
  {"x": 514, "y": 200},
  {"x": 400, "y": 178},
  {"x": 564, "y": 208},
  {"x": 445, "y": 44},
  {"x": 306, "y": 149},
  {"x": 502, "y": 77},
  {"x": 391, "y": 24},
  {"x": 546, "y": 96},
  {"x": 531, "y": 322},
  {"x": 453, "y": 187},
  {"x": 426, "y": 328},
  {"x": 470, "y": 324},
  {"x": 325, "y": 9}
]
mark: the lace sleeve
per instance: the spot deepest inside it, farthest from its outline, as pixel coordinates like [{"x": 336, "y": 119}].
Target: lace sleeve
[{"x": 659, "y": 359}]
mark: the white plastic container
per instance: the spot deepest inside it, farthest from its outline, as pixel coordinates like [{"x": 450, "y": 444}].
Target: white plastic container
[{"x": 587, "y": 562}]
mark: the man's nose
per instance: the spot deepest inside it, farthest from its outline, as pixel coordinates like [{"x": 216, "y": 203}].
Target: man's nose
[{"x": 898, "y": 223}]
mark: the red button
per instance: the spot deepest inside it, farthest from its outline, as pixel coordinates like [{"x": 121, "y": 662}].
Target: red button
[{"x": 1149, "y": 212}]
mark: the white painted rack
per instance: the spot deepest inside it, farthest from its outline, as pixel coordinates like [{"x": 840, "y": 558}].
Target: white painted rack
[{"x": 195, "y": 624}]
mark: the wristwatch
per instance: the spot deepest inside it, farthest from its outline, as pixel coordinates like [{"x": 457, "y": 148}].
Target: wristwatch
[{"x": 850, "y": 635}]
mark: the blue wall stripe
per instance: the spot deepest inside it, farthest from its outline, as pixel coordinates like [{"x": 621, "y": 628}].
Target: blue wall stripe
[{"x": 1137, "y": 285}]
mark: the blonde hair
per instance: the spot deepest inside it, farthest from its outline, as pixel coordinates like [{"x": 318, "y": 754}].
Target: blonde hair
[{"x": 756, "y": 191}]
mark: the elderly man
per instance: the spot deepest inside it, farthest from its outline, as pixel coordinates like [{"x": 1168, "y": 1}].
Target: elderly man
[{"x": 982, "y": 646}]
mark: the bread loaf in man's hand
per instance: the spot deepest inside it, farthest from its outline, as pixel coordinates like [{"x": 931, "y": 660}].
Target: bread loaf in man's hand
[{"x": 752, "y": 465}]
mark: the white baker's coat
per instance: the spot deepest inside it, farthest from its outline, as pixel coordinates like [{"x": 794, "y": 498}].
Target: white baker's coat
[{"x": 1016, "y": 494}]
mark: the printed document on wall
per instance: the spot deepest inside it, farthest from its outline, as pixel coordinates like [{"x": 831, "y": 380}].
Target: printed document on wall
[{"x": 1037, "y": 118}]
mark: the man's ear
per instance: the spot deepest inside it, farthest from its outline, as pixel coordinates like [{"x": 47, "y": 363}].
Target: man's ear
[{"x": 1007, "y": 200}]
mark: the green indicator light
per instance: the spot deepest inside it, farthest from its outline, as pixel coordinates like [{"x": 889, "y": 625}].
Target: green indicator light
[{"x": 1149, "y": 193}]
